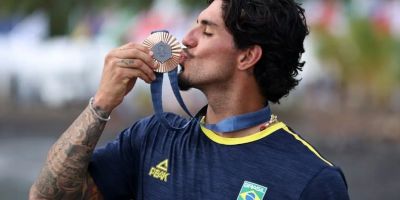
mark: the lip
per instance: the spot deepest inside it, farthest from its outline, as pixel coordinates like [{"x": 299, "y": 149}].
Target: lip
[
  {"x": 182, "y": 57},
  {"x": 185, "y": 55}
]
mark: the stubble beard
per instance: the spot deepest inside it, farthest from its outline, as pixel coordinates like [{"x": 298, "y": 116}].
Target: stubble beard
[
  {"x": 183, "y": 83},
  {"x": 187, "y": 81}
]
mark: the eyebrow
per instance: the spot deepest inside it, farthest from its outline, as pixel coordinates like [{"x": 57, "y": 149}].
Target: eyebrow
[{"x": 207, "y": 23}]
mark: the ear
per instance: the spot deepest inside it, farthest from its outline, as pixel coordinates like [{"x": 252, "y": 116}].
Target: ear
[{"x": 249, "y": 57}]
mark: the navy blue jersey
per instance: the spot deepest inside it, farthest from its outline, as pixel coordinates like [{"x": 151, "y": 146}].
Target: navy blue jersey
[{"x": 149, "y": 161}]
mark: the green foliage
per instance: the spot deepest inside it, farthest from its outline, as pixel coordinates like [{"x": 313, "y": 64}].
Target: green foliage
[
  {"x": 59, "y": 11},
  {"x": 366, "y": 55}
]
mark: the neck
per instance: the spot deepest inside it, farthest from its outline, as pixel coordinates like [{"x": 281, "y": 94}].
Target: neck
[
  {"x": 223, "y": 107},
  {"x": 227, "y": 102}
]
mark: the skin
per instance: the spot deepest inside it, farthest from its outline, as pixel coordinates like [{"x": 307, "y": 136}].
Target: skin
[
  {"x": 211, "y": 64},
  {"x": 222, "y": 77},
  {"x": 64, "y": 174}
]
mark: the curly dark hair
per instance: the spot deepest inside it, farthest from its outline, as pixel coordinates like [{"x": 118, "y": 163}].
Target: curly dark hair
[{"x": 279, "y": 27}]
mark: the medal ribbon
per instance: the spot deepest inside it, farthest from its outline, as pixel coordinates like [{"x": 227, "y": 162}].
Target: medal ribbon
[{"x": 156, "y": 96}]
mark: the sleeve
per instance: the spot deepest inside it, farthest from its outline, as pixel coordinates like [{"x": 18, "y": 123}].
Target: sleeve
[
  {"x": 328, "y": 184},
  {"x": 114, "y": 167}
]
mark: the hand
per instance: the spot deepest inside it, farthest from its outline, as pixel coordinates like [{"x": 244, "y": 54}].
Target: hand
[{"x": 122, "y": 66}]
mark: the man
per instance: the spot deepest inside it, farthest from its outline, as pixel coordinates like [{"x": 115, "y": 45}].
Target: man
[{"x": 241, "y": 54}]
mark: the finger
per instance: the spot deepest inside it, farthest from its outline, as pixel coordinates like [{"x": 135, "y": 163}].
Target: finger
[
  {"x": 129, "y": 74},
  {"x": 136, "y": 64},
  {"x": 135, "y": 54},
  {"x": 132, "y": 73},
  {"x": 131, "y": 45},
  {"x": 143, "y": 76},
  {"x": 125, "y": 62},
  {"x": 127, "y": 45}
]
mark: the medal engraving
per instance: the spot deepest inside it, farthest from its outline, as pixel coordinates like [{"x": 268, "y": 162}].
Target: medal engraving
[{"x": 162, "y": 52}]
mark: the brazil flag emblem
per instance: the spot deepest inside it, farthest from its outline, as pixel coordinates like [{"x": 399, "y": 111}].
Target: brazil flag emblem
[{"x": 252, "y": 191}]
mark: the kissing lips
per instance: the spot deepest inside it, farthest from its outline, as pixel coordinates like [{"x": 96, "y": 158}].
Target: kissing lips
[
  {"x": 184, "y": 56},
  {"x": 182, "y": 59}
]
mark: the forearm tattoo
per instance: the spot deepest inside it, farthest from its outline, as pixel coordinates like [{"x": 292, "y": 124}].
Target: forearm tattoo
[{"x": 65, "y": 173}]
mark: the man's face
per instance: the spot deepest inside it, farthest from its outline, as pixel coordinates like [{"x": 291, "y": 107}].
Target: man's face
[{"x": 211, "y": 56}]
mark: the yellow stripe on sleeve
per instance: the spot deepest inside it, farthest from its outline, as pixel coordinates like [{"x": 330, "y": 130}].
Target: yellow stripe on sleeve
[{"x": 311, "y": 148}]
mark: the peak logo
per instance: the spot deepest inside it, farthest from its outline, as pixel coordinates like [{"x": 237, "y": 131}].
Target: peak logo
[{"x": 160, "y": 171}]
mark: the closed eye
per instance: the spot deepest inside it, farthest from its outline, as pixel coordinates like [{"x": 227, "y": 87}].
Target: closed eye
[{"x": 207, "y": 34}]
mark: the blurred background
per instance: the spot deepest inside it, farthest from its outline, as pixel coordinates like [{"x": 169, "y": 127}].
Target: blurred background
[{"x": 347, "y": 105}]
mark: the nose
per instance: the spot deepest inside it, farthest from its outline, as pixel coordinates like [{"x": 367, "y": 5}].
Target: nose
[{"x": 190, "y": 40}]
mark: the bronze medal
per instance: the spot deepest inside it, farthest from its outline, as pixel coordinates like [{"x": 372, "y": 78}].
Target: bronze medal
[{"x": 166, "y": 49}]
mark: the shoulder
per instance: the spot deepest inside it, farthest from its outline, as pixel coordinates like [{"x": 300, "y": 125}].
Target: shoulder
[
  {"x": 296, "y": 154},
  {"x": 298, "y": 149},
  {"x": 322, "y": 177},
  {"x": 328, "y": 183}
]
